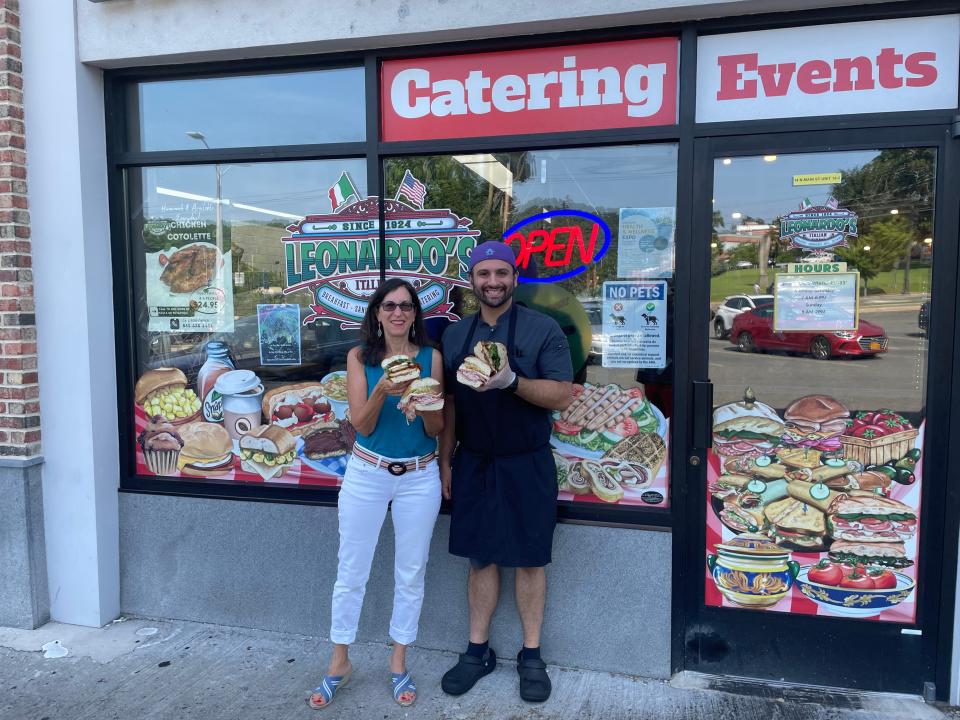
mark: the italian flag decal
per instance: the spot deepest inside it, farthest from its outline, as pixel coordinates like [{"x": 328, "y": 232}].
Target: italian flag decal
[{"x": 342, "y": 191}]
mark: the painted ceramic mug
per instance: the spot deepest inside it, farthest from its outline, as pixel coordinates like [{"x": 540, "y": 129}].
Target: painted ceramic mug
[
  {"x": 242, "y": 392},
  {"x": 751, "y": 571}
]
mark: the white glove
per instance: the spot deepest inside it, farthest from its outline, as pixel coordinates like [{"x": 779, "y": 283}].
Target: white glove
[{"x": 501, "y": 379}]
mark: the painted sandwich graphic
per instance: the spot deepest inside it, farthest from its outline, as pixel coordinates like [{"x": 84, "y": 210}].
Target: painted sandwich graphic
[
  {"x": 747, "y": 428},
  {"x": 268, "y": 451},
  {"x": 835, "y": 483},
  {"x": 207, "y": 450}
]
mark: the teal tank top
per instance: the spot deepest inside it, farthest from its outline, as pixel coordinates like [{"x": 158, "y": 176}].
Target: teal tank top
[{"x": 393, "y": 437}]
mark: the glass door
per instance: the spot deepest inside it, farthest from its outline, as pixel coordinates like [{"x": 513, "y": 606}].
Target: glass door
[{"x": 815, "y": 484}]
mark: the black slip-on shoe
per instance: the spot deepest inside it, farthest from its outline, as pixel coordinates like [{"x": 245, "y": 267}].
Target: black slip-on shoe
[
  {"x": 535, "y": 684},
  {"x": 464, "y": 675}
]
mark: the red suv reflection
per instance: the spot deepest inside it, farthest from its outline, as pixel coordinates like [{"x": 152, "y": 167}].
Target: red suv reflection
[{"x": 754, "y": 331}]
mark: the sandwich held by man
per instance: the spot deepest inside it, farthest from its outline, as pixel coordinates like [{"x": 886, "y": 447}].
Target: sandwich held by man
[
  {"x": 507, "y": 369},
  {"x": 477, "y": 369}
]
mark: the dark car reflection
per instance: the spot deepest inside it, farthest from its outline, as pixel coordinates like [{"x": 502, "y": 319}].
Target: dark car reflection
[
  {"x": 753, "y": 331},
  {"x": 923, "y": 319},
  {"x": 323, "y": 348}
]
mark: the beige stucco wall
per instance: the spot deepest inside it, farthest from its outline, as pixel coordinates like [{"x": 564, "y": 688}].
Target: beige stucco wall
[{"x": 118, "y": 33}]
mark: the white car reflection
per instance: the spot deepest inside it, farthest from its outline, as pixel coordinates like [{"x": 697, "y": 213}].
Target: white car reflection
[{"x": 598, "y": 341}]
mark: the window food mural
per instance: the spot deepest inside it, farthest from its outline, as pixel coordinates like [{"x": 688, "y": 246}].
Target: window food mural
[
  {"x": 815, "y": 477},
  {"x": 264, "y": 400}
]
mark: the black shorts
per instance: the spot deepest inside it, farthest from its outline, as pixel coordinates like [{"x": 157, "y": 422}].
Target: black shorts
[{"x": 504, "y": 510}]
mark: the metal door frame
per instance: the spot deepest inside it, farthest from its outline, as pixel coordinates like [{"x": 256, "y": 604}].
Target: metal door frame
[{"x": 844, "y": 652}]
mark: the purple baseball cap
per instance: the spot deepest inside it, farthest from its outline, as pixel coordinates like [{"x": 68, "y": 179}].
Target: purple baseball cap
[{"x": 492, "y": 250}]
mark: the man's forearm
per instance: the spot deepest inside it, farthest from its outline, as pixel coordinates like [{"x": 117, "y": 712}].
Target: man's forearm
[{"x": 550, "y": 394}]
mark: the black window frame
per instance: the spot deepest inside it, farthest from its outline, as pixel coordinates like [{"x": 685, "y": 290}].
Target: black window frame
[{"x": 118, "y": 83}]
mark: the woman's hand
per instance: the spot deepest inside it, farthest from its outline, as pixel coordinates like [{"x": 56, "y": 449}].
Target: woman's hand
[
  {"x": 429, "y": 414},
  {"x": 432, "y": 421},
  {"x": 385, "y": 387}
]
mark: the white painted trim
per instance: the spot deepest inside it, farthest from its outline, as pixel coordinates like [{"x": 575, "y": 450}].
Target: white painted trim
[{"x": 66, "y": 179}]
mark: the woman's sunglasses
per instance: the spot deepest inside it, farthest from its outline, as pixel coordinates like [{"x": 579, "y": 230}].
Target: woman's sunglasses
[{"x": 390, "y": 306}]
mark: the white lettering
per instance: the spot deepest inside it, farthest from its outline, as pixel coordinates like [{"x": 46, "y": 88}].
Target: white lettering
[
  {"x": 643, "y": 86},
  {"x": 508, "y": 93},
  {"x": 449, "y": 98},
  {"x": 610, "y": 77},
  {"x": 538, "y": 84},
  {"x": 476, "y": 83},
  {"x": 569, "y": 97},
  {"x": 400, "y": 93}
]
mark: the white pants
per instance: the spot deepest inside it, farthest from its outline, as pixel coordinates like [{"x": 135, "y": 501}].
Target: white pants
[{"x": 364, "y": 495}]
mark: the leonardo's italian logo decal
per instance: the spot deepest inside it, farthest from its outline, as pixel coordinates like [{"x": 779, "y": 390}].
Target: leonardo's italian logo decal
[
  {"x": 818, "y": 227},
  {"x": 335, "y": 256}
]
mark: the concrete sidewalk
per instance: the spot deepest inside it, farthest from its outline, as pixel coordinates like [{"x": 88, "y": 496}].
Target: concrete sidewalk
[{"x": 133, "y": 669}]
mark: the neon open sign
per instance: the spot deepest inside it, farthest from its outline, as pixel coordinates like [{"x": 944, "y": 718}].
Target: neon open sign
[{"x": 559, "y": 245}]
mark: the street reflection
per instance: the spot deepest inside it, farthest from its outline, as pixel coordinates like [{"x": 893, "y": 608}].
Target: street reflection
[{"x": 893, "y": 379}]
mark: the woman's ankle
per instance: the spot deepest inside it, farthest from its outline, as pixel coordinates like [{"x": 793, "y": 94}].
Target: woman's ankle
[
  {"x": 398, "y": 658},
  {"x": 339, "y": 664}
]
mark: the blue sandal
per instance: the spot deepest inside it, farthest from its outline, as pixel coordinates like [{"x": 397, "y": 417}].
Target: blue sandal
[
  {"x": 402, "y": 682},
  {"x": 327, "y": 689}
]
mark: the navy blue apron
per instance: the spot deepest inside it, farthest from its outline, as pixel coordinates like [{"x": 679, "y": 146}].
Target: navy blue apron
[{"x": 504, "y": 502}]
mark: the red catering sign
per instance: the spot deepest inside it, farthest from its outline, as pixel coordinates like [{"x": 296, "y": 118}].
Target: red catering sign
[{"x": 624, "y": 84}]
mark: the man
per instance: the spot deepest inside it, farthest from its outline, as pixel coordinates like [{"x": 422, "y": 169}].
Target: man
[{"x": 502, "y": 481}]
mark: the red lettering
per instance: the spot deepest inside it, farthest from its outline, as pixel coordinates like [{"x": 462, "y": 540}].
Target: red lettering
[
  {"x": 586, "y": 254},
  {"x": 916, "y": 65},
  {"x": 523, "y": 256},
  {"x": 538, "y": 241},
  {"x": 733, "y": 86},
  {"x": 887, "y": 62},
  {"x": 846, "y": 66},
  {"x": 776, "y": 78},
  {"x": 814, "y": 77},
  {"x": 555, "y": 245}
]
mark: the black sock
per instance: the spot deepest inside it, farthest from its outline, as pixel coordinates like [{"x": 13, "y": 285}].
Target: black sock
[
  {"x": 478, "y": 649},
  {"x": 529, "y": 654}
]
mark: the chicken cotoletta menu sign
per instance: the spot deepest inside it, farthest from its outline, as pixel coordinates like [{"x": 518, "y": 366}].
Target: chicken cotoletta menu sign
[
  {"x": 881, "y": 66},
  {"x": 187, "y": 273},
  {"x": 630, "y": 83}
]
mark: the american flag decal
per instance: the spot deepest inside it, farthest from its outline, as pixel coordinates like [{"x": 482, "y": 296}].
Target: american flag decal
[{"x": 412, "y": 189}]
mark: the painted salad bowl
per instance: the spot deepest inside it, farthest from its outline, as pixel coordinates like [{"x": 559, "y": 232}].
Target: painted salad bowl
[{"x": 856, "y": 602}]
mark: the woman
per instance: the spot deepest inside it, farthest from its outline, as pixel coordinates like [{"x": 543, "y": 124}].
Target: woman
[{"x": 393, "y": 460}]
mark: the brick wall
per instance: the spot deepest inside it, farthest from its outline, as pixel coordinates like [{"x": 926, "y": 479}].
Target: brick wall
[{"x": 19, "y": 392}]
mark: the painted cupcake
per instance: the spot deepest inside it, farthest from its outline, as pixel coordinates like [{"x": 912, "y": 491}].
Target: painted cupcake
[{"x": 161, "y": 446}]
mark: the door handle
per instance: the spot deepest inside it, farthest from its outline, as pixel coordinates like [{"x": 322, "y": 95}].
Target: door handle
[{"x": 702, "y": 414}]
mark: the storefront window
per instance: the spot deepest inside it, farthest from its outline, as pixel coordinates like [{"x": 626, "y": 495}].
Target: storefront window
[
  {"x": 820, "y": 292},
  {"x": 582, "y": 222},
  {"x": 223, "y": 112},
  {"x": 227, "y": 266}
]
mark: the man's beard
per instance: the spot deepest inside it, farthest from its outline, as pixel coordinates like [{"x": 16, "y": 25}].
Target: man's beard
[{"x": 507, "y": 294}]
